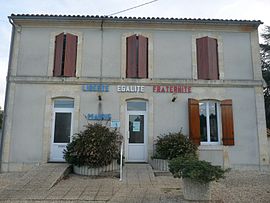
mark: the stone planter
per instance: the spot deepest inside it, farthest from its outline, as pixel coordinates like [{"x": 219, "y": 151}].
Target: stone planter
[
  {"x": 160, "y": 164},
  {"x": 193, "y": 190},
  {"x": 84, "y": 170}
]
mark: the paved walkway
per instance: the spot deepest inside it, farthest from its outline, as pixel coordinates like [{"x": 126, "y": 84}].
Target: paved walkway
[
  {"x": 139, "y": 185},
  {"x": 32, "y": 184}
]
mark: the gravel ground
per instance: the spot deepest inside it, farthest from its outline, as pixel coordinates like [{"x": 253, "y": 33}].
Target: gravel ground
[{"x": 243, "y": 186}]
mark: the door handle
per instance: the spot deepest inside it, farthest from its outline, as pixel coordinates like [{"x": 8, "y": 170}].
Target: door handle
[{"x": 128, "y": 134}]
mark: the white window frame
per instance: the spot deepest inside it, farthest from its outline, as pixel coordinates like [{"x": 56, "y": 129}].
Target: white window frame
[{"x": 219, "y": 126}]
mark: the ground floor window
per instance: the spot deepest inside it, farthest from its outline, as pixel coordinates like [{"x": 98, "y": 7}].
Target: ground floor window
[{"x": 209, "y": 121}]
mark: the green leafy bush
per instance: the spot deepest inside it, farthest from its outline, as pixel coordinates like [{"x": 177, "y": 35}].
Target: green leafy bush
[
  {"x": 194, "y": 169},
  {"x": 96, "y": 146},
  {"x": 173, "y": 145}
]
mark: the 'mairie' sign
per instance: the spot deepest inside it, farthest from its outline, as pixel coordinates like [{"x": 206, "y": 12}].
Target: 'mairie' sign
[{"x": 99, "y": 117}]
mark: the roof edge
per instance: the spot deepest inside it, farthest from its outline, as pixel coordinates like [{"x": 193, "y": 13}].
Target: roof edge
[{"x": 132, "y": 19}]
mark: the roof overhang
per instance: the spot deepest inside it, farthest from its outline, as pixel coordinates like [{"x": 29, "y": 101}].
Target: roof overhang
[{"x": 141, "y": 20}]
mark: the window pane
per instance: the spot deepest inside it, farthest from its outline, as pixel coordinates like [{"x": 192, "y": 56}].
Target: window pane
[
  {"x": 62, "y": 127},
  {"x": 136, "y": 106},
  {"x": 63, "y": 103},
  {"x": 203, "y": 121},
  {"x": 136, "y": 129},
  {"x": 213, "y": 121}
]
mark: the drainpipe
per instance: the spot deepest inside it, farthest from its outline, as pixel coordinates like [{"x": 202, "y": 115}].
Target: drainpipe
[
  {"x": 100, "y": 110},
  {"x": 101, "y": 51},
  {"x": 7, "y": 91}
]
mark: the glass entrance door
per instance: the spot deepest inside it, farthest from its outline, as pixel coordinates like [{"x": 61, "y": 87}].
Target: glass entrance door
[
  {"x": 136, "y": 129},
  {"x": 136, "y": 132},
  {"x": 61, "y": 128}
]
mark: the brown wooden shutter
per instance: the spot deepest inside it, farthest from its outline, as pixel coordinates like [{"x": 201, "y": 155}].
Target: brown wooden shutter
[
  {"x": 207, "y": 58},
  {"x": 70, "y": 55},
  {"x": 213, "y": 72},
  {"x": 194, "y": 121},
  {"x": 202, "y": 58},
  {"x": 58, "y": 54},
  {"x": 227, "y": 122},
  {"x": 132, "y": 57},
  {"x": 143, "y": 57}
]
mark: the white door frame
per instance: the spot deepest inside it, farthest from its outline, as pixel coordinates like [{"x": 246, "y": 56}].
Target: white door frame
[
  {"x": 54, "y": 146},
  {"x": 127, "y": 145}
]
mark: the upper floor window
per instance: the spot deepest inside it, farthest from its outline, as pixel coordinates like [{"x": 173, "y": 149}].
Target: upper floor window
[
  {"x": 207, "y": 117},
  {"x": 65, "y": 55},
  {"x": 207, "y": 58},
  {"x": 137, "y": 56}
]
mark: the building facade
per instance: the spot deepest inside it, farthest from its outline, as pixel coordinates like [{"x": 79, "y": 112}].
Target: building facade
[{"x": 144, "y": 76}]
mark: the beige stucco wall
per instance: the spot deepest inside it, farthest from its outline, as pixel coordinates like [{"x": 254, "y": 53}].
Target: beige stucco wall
[
  {"x": 27, "y": 141},
  {"x": 164, "y": 116},
  {"x": 172, "y": 51}
]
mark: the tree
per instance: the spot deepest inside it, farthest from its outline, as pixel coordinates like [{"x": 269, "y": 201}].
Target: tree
[
  {"x": 1, "y": 117},
  {"x": 265, "y": 60}
]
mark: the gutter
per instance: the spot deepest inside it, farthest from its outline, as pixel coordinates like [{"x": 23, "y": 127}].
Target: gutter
[{"x": 7, "y": 91}]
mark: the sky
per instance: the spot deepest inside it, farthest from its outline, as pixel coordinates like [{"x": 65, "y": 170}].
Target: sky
[{"x": 218, "y": 9}]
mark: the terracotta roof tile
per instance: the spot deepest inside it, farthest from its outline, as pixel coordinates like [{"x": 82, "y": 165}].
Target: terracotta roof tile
[{"x": 145, "y": 19}]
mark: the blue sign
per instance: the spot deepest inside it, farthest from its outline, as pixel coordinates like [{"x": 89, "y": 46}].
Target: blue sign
[
  {"x": 115, "y": 124},
  {"x": 99, "y": 117},
  {"x": 95, "y": 88}
]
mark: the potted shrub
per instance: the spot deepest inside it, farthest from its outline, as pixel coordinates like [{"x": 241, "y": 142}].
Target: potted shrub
[
  {"x": 197, "y": 176},
  {"x": 169, "y": 146},
  {"x": 94, "y": 150}
]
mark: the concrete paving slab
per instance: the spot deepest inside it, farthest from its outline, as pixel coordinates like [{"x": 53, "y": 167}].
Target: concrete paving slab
[
  {"x": 7, "y": 179},
  {"x": 140, "y": 186}
]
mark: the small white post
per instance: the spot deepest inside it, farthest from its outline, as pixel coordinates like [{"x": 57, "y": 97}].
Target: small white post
[{"x": 121, "y": 162}]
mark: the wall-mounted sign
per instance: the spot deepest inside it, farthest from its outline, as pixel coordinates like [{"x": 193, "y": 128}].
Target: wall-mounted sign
[
  {"x": 130, "y": 88},
  {"x": 99, "y": 117},
  {"x": 115, "y": 124},
  {"x": 95, "y": 88},
  {"x": 171, "y": 89}
]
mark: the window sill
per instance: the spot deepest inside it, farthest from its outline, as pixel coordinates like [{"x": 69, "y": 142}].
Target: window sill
[{"x": 206, "y": 147}]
